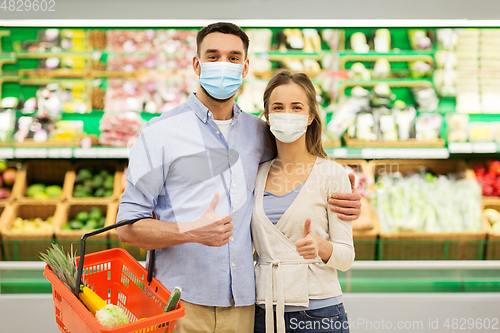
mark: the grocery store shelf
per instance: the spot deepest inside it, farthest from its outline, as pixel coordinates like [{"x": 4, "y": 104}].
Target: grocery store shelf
[
  {"x": 473, "y": 147},
  {"x": 28, "y": 153},
  {"x": 412, "y": 53},
  {"x": 363, "y": 276},
  {"x": 115, "y": 152},
  {"x": 382, "y": 153},
  {"x": 339, "y": 152}
]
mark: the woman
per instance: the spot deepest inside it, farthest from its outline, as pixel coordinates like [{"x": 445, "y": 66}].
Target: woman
[{"x": 299, "y": 242}]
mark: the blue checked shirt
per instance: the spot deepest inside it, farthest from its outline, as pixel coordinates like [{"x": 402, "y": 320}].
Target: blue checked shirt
[{"x": 180, "y": 159}]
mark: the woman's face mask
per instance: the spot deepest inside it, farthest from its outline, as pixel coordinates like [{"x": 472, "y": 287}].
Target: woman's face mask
[
  {"x": 288, "y": 127},
  {"x": 221, "y": 79},
  {"x": 289, "y": 113}
]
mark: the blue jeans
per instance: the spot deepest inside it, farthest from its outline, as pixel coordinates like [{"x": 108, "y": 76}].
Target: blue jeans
[{"x": 330, "y": 319}]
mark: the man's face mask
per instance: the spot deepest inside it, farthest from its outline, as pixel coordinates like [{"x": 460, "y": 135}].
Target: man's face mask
[{"x": 221, "y": 79}]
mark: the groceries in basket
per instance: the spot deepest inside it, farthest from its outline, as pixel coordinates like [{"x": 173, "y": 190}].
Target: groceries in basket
[{"x": 65, "y": 268}]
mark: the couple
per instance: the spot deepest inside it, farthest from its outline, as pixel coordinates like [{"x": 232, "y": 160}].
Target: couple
[{"x": 208, "y": 145}]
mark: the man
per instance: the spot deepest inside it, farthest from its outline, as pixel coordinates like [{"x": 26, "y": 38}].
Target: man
[{"x": 179, "y": 165}]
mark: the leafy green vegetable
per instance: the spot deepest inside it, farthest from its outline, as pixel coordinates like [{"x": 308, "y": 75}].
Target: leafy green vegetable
[
  {"x": 424, "y": 202},
  {"x": 111, "y": 316}
]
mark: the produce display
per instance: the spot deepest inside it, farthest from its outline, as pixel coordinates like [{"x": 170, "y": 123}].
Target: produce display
[
  {"x": 375, "y": 84},
  {"x": 32, "y": 225},
  {"x": 151, "y": 93},
  {"x": 493, "y": 217},
  {"x": 86, "y": 221},
  {"x": 425, "y": 202},
  {"x": 95, "y": 182},
  {"x": 7, "y": 179},
  {"x": 371, "y": 116},
  {"x": 120, "y": 130},
  {"x": 64, "y": 266},
  {"x": 42, "y": 192},
  {"x": 489, "y": 177}
]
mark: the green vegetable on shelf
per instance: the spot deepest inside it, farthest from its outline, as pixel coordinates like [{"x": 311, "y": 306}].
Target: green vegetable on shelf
[
  {"x": 75, "y": 224},
  {"x": 95, "y": 213},
  {"x": 54, "y": 191},
  {"x": 86, "y": 221},
  {"x": 427, "y": 203},
  {"x": 93, "y": 182},
  {"x": 35, "y": 188},
  {"x": 82, "y": 216}
]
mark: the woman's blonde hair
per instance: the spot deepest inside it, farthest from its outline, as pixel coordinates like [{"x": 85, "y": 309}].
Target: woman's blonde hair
[{"x": 314, "y": 142}]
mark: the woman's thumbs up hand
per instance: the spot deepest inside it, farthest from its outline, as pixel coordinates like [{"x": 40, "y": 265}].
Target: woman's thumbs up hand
[{"x": 308, "y": 247}]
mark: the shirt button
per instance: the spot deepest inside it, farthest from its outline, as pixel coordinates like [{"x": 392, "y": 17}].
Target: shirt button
[
  {"x": 232, "y": 264},
  {"x": 234, "y": 185},
  {"x": 204, "y": 119},
  {"x": 232, "y": 239},
  {"x": 218, "y": 132},
  {"x": 232, "y": 211},
  {"x": 210, "y": 114}
]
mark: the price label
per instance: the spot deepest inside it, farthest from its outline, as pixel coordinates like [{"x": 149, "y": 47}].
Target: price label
[
  {"x": 337, "y": 153},
  {"x": 85, "y": 152},
  {"x": 31, "y": 153},
  {"x": 404, "y": 153},
  {"x": 60, "y": 153},
  {"x": 485, "y": 147},
  {"x": 460, "y": 147},
  {"x": 7, "y": 153}
]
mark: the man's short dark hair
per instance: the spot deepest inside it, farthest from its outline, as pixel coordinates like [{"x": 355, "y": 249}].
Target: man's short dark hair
[{"x": 225, "y": 28}]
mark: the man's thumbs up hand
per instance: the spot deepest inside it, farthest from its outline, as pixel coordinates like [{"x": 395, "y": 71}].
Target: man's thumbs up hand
[
  {"x": 308, "y": 247},
  {"x": 210, "y": 229}
]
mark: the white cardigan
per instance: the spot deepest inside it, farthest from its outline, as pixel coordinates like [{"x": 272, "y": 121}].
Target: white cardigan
[{"x": 282, "y": 276}]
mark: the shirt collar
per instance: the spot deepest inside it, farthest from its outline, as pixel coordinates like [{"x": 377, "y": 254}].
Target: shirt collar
[{"x": 203, "y": 112}]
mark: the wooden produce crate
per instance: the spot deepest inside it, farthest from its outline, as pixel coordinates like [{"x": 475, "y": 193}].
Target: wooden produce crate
[
  {"x": 365, "y": 229},
  {"x": 493, "y": 237},
  {"x": 111, "y": 166},
  {"x": 70, "y": 210},
  {"x": 48, "y": 172},
  {"x": 3, "y": 209},
  {"x": 410, "y": 245},
  {"x": 24, "y": 246}
]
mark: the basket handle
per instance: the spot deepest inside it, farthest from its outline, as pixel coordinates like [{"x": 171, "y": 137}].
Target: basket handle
[{"x": 100, "y": 231}]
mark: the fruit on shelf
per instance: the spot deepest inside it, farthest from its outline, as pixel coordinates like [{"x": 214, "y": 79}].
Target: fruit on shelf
[
  {"x": 493, "y": 217},
  {"x": 3, "y": 166},
  {"x": 9, "y": 176},
  {"x": 489, "y": 177},
  {"x": 86, "y": 221},
  {"x": 4, "y": 193},
  {"x": 42, "y": 192},
  {"x": 32, "y": 225},
  {"x": 93, "y": 182}
]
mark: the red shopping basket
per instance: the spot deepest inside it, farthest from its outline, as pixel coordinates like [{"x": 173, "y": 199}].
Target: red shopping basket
[{"x": 118, "y": 279}]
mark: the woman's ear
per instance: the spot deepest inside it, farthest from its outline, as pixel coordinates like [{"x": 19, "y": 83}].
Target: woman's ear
[
  {"x": 311, "y": 119},
  {"x": 266, "y": 115}
]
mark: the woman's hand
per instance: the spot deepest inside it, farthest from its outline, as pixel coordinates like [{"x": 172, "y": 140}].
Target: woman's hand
[
  {"x": 347, "y": 205},
  {"x": 312, "y": 246}
]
